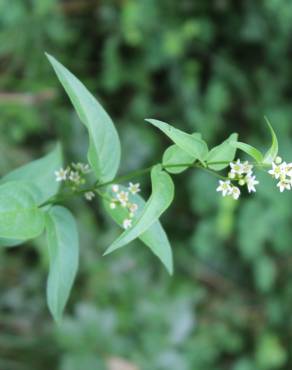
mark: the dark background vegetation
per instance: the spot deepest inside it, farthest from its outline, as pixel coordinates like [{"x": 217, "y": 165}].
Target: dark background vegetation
[{"x": 214, "y": 66}]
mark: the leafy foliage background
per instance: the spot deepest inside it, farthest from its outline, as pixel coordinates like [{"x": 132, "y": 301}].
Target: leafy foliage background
[{"x": 210, "y": 66}]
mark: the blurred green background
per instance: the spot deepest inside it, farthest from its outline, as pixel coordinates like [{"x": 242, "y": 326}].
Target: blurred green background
[{"x": 214, "y": 66}]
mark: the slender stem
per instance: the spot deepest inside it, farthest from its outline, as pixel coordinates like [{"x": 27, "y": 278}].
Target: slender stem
[{"x": 97, "y": 185}]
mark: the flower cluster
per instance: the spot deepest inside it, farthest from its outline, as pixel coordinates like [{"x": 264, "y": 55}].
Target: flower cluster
[
  {"x": 282, "y": 171},
  {"x": 242, "y": 174},
  {"x": 122, "y": 198},
  {"x": 74, "y": 176}
]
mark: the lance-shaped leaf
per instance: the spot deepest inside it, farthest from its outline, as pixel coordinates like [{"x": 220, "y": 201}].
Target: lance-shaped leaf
[
  {"x": 272, "y": 153},
  {"x": 63, "y": 247},
  {"x": 155, "y": 237},
  {"x": 191, "y": 144},
  {"x": 20, "y": 217},
  {"x": 224, "y": 152},
  {"x": 160, "y": 199},
  {"x": 41, "y": 173},
  {"x": 248, "y": 149},
  {"x": 174, "y": 155},
  {"x": 104, "y": 144}
]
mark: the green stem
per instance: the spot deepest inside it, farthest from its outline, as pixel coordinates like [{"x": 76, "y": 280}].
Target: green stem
[{"x": 96, "y": 186}]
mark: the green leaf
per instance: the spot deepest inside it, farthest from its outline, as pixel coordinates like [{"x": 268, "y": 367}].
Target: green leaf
[
  {"x": 193, "y": 145},
  {"x": 174, "y": 155},
  {"x": 222, "y": 153},
  {"x": 104, "y": 144},
  {"x": 5, "y": 242},
  {"x": 63, "y": 246},
  {"x": 20, "y": 217},
  {"x": 272, "y": 153},
  {"x": 160, "y": 199},
  {"x": 41, "y": 172},
  {"x": 155, "y": 237},
  {"x": 248, "y": 149}
]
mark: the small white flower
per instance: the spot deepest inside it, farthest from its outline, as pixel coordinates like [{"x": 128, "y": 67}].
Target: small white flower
[
  {"x": 82, "y": 167},
  {"x": 113, "y": 205},
  {"x": 89, "y": 195},
  {"x": 127, "y": 223},
  {"x": 251, "y": 182},
  {"x": 74, "y": 177},
  {"x": 134, "y": 188},
  {"x": 237, "y": 167},
  {"x": 247, "y": 167},
  {"x": 115, "y": 188},
  {"x": 224, "y": 187},
  {"x": 289, "y": 169},
  {"x": 235, "y": 192},
  {"x": 123, "y": 197},
  {"x": 283, "y": 184},
  {"x": 133, "y": 207},
  {"x": 61, "y": 174},
  {"x": 278, "y": 171}
]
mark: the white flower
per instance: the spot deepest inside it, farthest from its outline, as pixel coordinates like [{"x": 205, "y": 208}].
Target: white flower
[
  {"x": 283, "y": 184},
  {"x": 247, "y": 167},
  {"x": 231, "y": 175},
  {"x": 123, "y": 197},
  {"x": 115, "y": 188},
  {"x": 235, "y": 192},
  {"x": 113, "y": 205},
  {"x": 251, "y": 182},
  {"x": 133, "y": 207},
  {"x": 82, "y": 167},
  {"x": 289, "y": 169},
  {"x": 225, "y": 187},
  {"x": 134, "y": 188},
  {"x": 278, "y": 171},
  {"x": 74, "y": 177},
  {"x": 61, "y": 175},
  {"x": 127, "y": 223},
  {"x": 89, "y": 195},
  {"x": 237, "y": 167}
]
